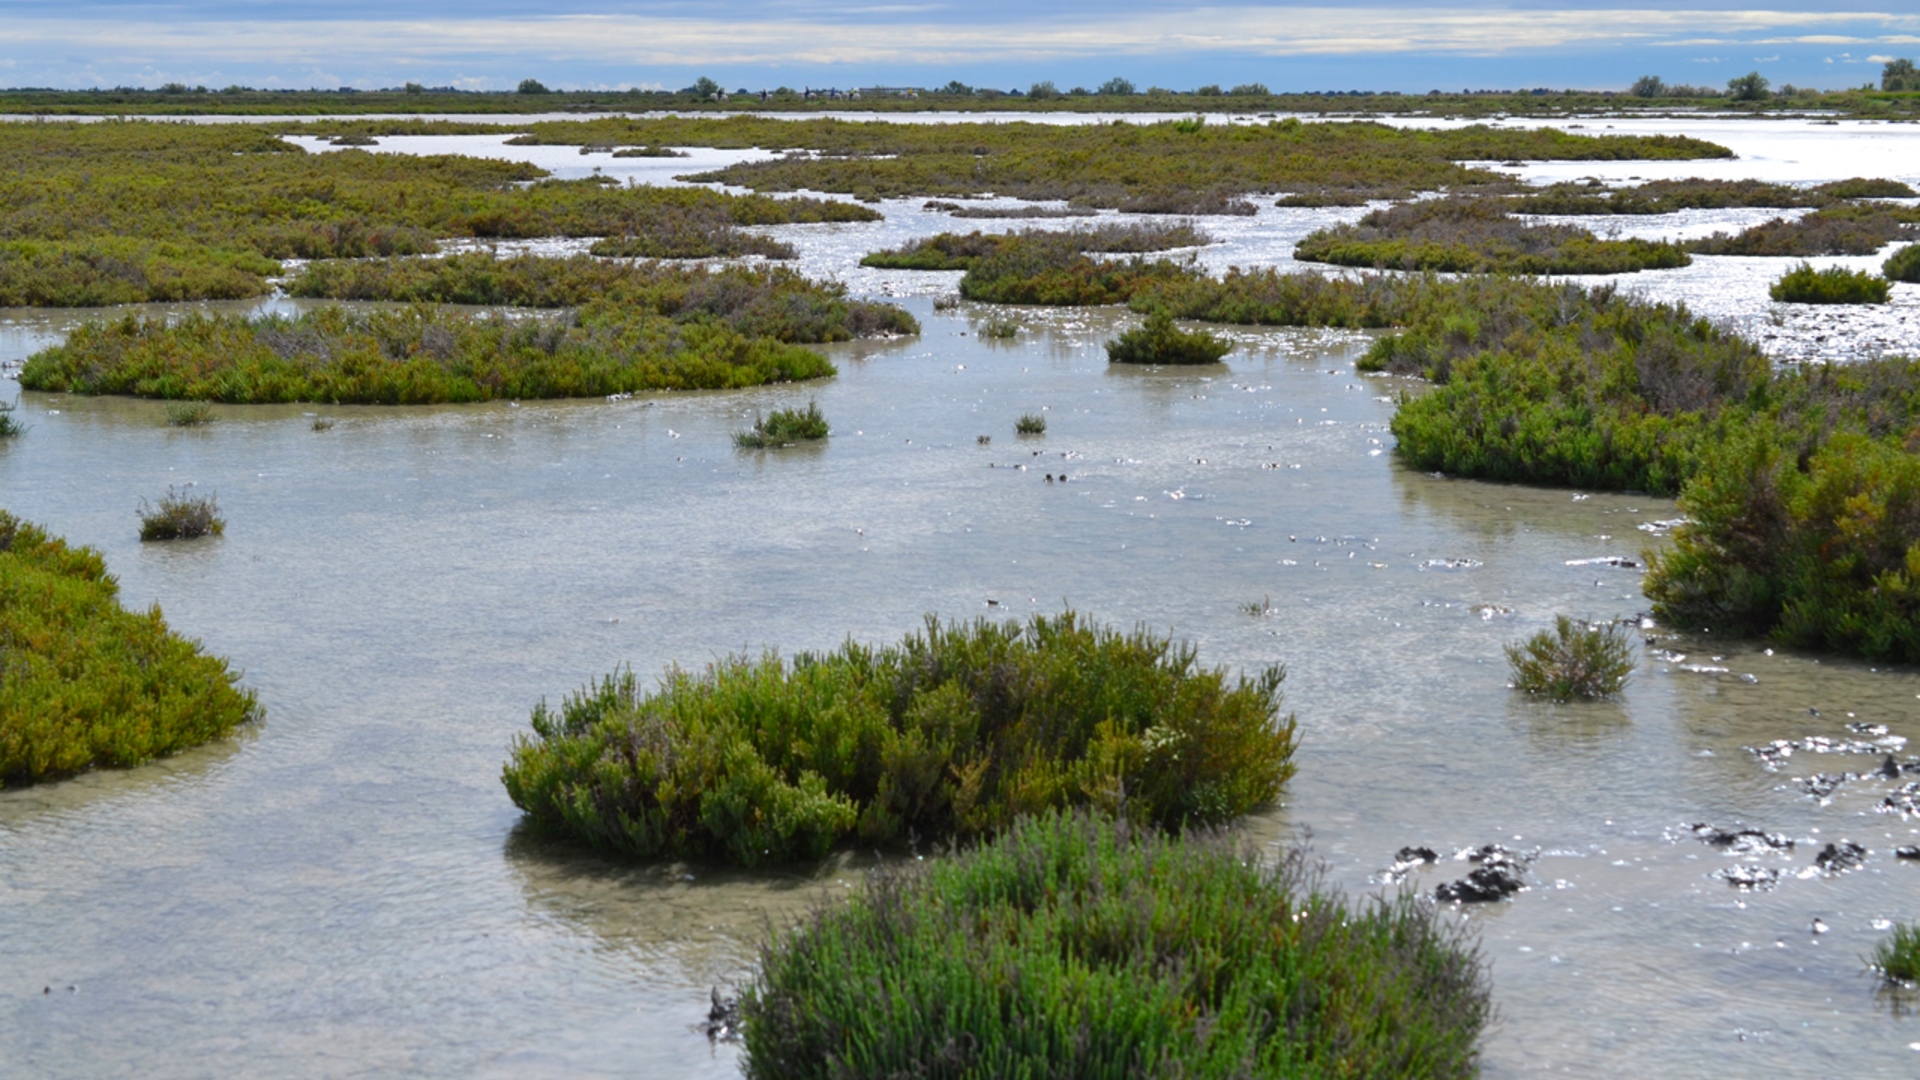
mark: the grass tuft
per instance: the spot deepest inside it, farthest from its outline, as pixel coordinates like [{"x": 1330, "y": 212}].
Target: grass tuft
[
  {"x": 180, "y": 516},
  {"x": 1000, "y": 329},
  {"x": 87, "y": 682},
  {"x": 10, "y": 427},
  {"x": 1574, "y": 661},
  {"x": 1898, "y": 957},
  {"x": 1834, "y": 285},
  {"x": 322, "y": 423},
  {"x": 189, "y": 414},
  {"x": 783, "y": 427},
  {"x": 1074, "y": 945},
  {"x": 1161, "y": 342},
  {"x": 1030, "y": 424},
  {"x": 958, "y": 730}
]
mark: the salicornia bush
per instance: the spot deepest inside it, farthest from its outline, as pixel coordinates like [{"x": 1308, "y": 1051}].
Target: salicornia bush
[
  {"x": 1030, "y": 424},
  {"x": 85, "y": 682},
  {"x": 783, "y": 427},
  {"x": 1575, "y": 660},
  {"x": 180, "y": 516},
  {"x": 1158, "y": 341},
  {"x": 1074, "y": 945},
  {"x": 958, "y": 730},
  {"x": 1903, "y": 265},
  {"x": 1834, "y": 285}
]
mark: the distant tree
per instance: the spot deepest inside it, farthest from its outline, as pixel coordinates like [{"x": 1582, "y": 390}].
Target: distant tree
[
  {"x": 1079, "y": 91},
  {"x": 1749, "y": 87},
  {"x": 174, "y": 88},
  {"x": 957, "y": 88},
  {"x": 533, "y": 86},
  {"x": 1899, "y": 75},
  {"x": 1117, "y": 87},
  {"x": 703, "y": 88},
  {"x": 1209, "y": 91},
  {"x": 1251, "y": 89},
  {"x": 236, "y": 88},
  {"x": 1043, "y": 90},
  {"x": 1649, "y": 86},
  {"x": 414, "y": 88}
]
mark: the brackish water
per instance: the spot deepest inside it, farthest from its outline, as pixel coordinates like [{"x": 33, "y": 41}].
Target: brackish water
[{"x": 344, "y": 890}]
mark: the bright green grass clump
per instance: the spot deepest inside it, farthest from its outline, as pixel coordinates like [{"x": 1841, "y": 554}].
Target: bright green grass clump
[
  {"x": 1158, "y": 341},
  {"x": 783, "y": 427},
  {"x": 421, "y": 355},
  {"x": 1898, "y": 958},
  {"x": 1834, "y": 285},
  {"x": 1079, "y": 946},
  {"x": 1903, "y": 265},
  {"x": 1574, "y": 661},
  {"x": 958, "y": 730},
  {"x": 85, "y": 682}
]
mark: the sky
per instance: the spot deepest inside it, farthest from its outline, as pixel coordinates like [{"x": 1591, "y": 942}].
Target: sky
[{"x": 1409, "y": 46}]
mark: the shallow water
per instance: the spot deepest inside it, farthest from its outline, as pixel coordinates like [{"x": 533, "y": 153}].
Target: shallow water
[{"x": 344, "y": 890}]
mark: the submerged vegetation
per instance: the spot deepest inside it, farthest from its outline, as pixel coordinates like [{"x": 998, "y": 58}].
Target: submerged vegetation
[
  {"x": 1478, "y": 236},
  {"x": 1574, "y": 661},
  {"x": 647, "y": 328},
  {"x": 88, "y": 683},
  {"x": 958, "y": 730},
  {"x": 180, "y": 516},
  {"x": 1834, "y": 285},
  {"x": 1159, "y": 341},
  {"x": 783, "y": 427},
  {"x": 1078, "y": 946}
]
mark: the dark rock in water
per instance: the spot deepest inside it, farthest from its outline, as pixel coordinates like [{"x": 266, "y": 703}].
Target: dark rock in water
[
  {"x": 1485, "y": 883},
  {"x": 1838, "y": 858},
  {"x": 1743, "y": 841},
  {"x": 1750, "y": 876},
  {"x": 1410, "y": 856},
  {"x": 1778, "y": 751},
  {"x": 1889, "y": 769},
  {"x": 1870, "y": 730},
  {"x": 1821, "y": 785},
  {"x": 1903, "y": 800},
  {"x": 1906, "y": 853},
  {"x": 723, "y": 1019}
]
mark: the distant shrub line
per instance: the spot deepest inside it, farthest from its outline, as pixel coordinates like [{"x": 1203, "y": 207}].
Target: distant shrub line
[
  {"x": 956, "y": 731},
  {"x": 85, "y": 682}
]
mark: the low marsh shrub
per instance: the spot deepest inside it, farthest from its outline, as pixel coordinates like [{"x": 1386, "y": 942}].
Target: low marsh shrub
[
  {"x": 1903, "y": 265},
  {"x": 1843, "y": 229},
  {"x": 1000, "y": 329},
  {"x": 10, "y": 427},
  {"x": 180, "y": 516},
  {"x": 1030, "y": 424},
  {"x": 1834, "y": 285},
  {"x": 1897, "y": 959},
  {"x": 783, "y": 427},
  {"x": 1079, "y": 946},
  {"x": 190, "y": 414},
  {"x": 958, "y": 251},
  {"x": 958, "y": 730},
  {"x": 1478, "y": 236},
  {"x": 1667, "y": 197},
  {"x": 1158, "y": 341},
  {"x": 1575, "y": 660},
  {"x": 88, "y": 683}
]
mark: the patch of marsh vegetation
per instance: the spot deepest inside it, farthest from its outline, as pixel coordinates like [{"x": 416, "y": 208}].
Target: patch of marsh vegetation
[
  {"x": 783, "y": 427},
  {"x": 1030, "y": 424},
  {"x": 1574, "y": 660},
  {"x": 959, "y": 210},
  {"x": 1897, "y": 958},
  {"x": 87, "y": 682},
  {"x": 122, "y": 212},
  {"x": 1843, "y": 229},
  {"x": 1672, "y": 196},
  {"x": 645, "y": 328},
  {"x": 1159, "y": 341},
  {"x": 1903, "y": 265},
  {"x": 959, "y": 730},
  {"x": 10, "y": 427},
  {"x": 956, "y": 251},
  {"x": 1478, "y": 236},
  {"x": 1185, "y": 950},
  {"x": 1834, "y": 285},
  {"x": 181, "y": 516},
  {"x": 322, "y": 423},
  {"x": 1000, "y": 329},
  {"x": 189, "y": 414}
]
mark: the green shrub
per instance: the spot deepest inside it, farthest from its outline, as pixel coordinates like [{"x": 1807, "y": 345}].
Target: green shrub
[
  {"x": 1670, "y": 196},
  {"x": 958, "y": 730},
  {"x": 1898, "y": 958},
  {"x": 1903, "y": 265},
  {"x": 9, "y": 427},
  {"x": 1030, "y": 424},
  {"x": 1478, "y": 236},
  {"x": 1077, "y": 946},
  {"x": 957, "y": 251},
  {"x": 1158, "y": 341},
  {"x": 85, "y": 682},
  {"x": 1834, "y": 285},
  {"x": 1584, "y": 661},
  {"x": 180, "y": 516},
  {"x": 783, "y": 427},
  {"x": 190, "y": 414},
  {"x": 1860, "y": 187},
  {"x": 1843, "y": 229}
]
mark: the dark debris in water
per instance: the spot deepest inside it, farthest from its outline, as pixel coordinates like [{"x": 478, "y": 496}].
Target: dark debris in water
[
  {"x": 1903, "y": 800},
  {"x": 1822, "y": 785},
  {"x": 1749, "y": 876},
  {"x": 1840, "y": 857},
  {"x": 1773, "y": 754},
  {"x": 1607, "y": 560},
  {"x": 723, "y": 1018},
  {"x": 1500, "y": 874},
  {"x": 1911, "y": 852},
  {"x": 1742, "y": 841}
]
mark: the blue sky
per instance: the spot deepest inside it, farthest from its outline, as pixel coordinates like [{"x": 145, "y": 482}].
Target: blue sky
[{"x": 607, "y": 44}]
